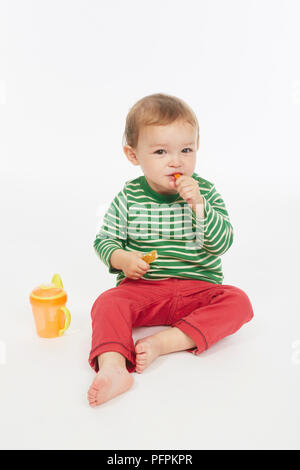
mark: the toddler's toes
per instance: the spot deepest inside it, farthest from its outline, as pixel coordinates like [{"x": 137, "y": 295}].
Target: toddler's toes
[
  {"x": 147, "y": 350},
  {"x": 140, "y": 348},
  {"x": 92, "y": 396},
  {"x": 139, "y": 368}
]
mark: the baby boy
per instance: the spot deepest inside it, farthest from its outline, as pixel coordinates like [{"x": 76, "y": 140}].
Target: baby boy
[{"x": 185, "y": 220}]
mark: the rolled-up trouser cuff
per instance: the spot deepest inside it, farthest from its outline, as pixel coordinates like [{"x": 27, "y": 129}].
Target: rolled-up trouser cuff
[
  {"x": 114, "y": 346},
  {"x": 195, "y": 334}
]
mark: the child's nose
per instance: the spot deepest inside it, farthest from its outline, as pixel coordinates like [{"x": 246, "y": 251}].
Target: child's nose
[{"x": 176, "y": 159}]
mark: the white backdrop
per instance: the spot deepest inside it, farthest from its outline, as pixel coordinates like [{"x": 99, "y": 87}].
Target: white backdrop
[{"x": 69, "y": 72}]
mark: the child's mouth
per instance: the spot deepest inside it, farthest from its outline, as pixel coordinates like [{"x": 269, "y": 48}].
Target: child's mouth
[{"x": 174, "y": 176}]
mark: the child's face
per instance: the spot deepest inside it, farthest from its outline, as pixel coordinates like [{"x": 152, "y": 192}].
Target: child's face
[{"x": 163, "y": 151}]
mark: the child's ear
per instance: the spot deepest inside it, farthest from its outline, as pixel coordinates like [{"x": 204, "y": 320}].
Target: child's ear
[{"x": 130, "y": 154}]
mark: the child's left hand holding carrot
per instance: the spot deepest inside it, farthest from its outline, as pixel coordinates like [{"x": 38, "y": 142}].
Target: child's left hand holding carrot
[{"x": 188, "y": 189}]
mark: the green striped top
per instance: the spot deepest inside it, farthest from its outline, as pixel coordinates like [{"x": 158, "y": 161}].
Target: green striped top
[{"x": 188, "y": 246}]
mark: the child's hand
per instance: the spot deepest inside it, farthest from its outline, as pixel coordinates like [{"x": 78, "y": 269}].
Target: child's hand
[
  {"x": 134, "y": 266},
  {"x": 188, "y": 189}
]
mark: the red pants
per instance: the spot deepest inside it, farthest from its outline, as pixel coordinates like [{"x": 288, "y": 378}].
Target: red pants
[{"x": 206, "y": 312}]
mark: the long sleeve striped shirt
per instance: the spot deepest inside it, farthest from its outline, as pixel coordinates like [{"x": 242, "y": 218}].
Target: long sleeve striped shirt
[{"x": 188, "y": 245}]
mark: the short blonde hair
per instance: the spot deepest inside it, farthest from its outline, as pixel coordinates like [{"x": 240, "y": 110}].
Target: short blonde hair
[{"x": 157, "y": 109}]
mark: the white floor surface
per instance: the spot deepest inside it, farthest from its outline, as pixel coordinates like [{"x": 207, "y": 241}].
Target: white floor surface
[{"x": 242, "y": 393}]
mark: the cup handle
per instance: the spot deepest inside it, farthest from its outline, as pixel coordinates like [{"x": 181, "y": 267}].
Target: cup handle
[{"x": 67, "y": 320}]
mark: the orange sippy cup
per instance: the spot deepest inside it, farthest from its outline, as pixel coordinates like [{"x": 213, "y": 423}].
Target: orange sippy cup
[{"x": 51, "y": 316}]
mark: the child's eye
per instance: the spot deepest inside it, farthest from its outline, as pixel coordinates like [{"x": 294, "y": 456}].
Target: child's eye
[{"x": 162, "y": 150}]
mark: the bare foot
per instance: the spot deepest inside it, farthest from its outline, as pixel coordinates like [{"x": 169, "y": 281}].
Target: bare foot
[
  {"x": 147, "y": 350},
  {"x": 110, "y": 381}
]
